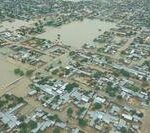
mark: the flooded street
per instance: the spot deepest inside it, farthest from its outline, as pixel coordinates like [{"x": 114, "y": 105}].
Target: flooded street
[{"x": 76, "y": 34}]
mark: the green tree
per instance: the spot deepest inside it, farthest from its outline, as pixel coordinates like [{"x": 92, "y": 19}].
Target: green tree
[
  {"x": 17, "y": 71},
  {"x": 70, "y": 87}
]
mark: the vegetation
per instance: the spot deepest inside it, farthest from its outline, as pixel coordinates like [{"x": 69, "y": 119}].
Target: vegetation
[
  {"x": 116, "y": 73},
  {"x": 69, "y": 112},
  {"x": 70, "y": 87},
  {"x": 54, "y": 117},
  {"x": 119, "y": 97},
  {"x": 72, "y": 53},
  {"x": 24, "y": 128},
  {"x": 98, "y": 74},
  {"x": 141, "y": 114},
  {"x": 10, "y": 101},
  {"x": 124, "y": 130},
  {"x": 20, "y": 100},
  {"x": 56, "y": 130},
  {"x": 29, "y": 73},
  {"x": 32, "y": 124},
  {"x": 27, "y": 127},
  {"x": 2, "y": 103},
  {"x": 67, "y": 71},
  {"x": 145, "y": 83},
  {"x": 121, "y": 72},
  {"x": 55, "y": 72},
  {"x": 134, "y": 88},
  {"x": 111, "y": 90},
  {"x": 147, "y": 63},
  {"x": 81, "y": 110},
  {"x": 82, "y": 122},
  {"x": 19, "y": 72},
  {"x": 124, "y": 73},
  {"x": 123, "y": 52},
  {"x": 97, "y": 106}
]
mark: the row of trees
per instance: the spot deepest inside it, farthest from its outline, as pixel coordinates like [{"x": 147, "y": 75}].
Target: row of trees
[
  {"x": 20, "y": 72},
  {"x": 121, "y": 72}
]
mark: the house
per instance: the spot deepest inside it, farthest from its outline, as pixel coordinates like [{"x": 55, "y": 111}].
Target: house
[
  {"x": 99, "y": 100},
  {"x": 127, "y": 117}
]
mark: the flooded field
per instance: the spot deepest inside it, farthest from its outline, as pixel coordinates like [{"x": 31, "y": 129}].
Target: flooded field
[{"x": 76, "y": 34}]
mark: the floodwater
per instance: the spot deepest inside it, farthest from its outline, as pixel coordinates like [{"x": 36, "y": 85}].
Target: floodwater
[
  {"x": 6, "y": 72},
  {"x": 77, "y": 33}
]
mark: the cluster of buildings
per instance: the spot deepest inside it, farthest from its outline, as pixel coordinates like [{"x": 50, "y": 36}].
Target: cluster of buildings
[
  {"x": 105, "y": 83},
  {"x": 9, "y": 119},
  {"x": 117, "y": 117},
  {"x": 57, "y": 94},
  {"x": 26, "y": 55},
  {"x": 7, "y": 37},
  {"x": 12, "y": 120}
]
